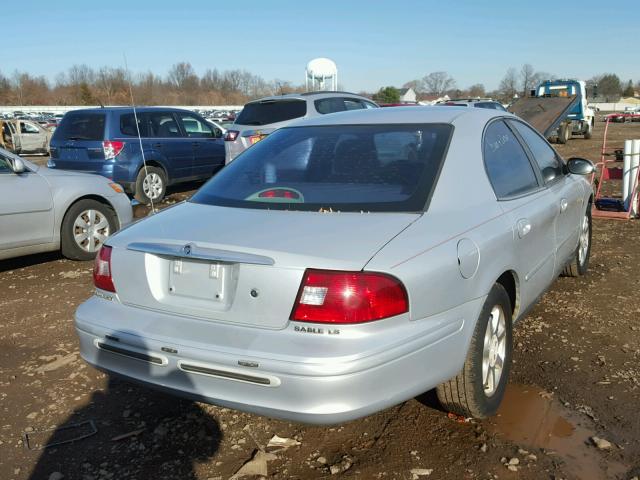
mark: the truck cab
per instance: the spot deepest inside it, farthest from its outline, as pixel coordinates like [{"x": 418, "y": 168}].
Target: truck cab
[{"x": 580, "y": 118}]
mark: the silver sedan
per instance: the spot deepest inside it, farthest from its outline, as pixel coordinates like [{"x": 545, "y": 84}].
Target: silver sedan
[
  {"x": 345, "y": 264},
  {"x": 43, "y": 210}
]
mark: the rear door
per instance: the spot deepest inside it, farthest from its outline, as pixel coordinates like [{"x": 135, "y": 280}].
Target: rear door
[
  {"x": 567, "y": 192},
  {"x": 26, "y": 208},
  {"x": 208, "y": 149},
  {"x": 168, "y": 140},
  {"x": 530, "y": 206},
  {"x": 31, "y": 137}
]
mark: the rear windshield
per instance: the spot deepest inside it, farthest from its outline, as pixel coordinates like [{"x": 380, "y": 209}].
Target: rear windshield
[
  {"x": 271, "y": 111},
  {"x": 81, "y": 126},
  {"x": 351, "y": 168}
]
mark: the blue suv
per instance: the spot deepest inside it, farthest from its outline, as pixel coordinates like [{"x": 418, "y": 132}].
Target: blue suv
[{"x": 178, "y": 145}]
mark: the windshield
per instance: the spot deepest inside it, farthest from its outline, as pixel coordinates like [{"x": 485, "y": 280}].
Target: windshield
[
  {"x": 352, "y": 168},
  {"x": 271, "y": 111}
]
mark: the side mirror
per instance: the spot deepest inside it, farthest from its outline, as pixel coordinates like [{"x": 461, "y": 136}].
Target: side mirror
[
  {"x": 18, "y": 166},
  {"x": 580, "y": 166}
]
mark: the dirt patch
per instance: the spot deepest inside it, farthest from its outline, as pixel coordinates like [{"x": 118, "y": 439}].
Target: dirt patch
[{"x": 580, "y": 346}]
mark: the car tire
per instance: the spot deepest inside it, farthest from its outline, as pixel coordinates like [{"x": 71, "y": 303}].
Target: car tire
[
  {"x": 475, "y": 391},
  {"x": 580, "y": 262},
  {"x": 589, "y": 133},
  {"x": 151, "y": 185},
  {"x": 563, "y": 133},
  {"x": 85, "y": 227}
]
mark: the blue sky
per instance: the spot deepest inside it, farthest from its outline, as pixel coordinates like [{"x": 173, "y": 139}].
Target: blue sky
[{"x": 374, "y": 43}]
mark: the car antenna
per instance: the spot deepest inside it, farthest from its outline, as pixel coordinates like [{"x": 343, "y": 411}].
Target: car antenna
[{"x": 135, "y": 118}]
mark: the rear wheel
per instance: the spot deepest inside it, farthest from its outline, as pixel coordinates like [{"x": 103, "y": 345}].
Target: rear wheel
[
  {"x": 564, "y": 132},
  {"x": 589, "y": 133},
  {"x": 85, "y": 228},
  {"x": 151, "y": 185},
  {"x": 580, "y": 262},
  {"x": 478, "y": 389}
]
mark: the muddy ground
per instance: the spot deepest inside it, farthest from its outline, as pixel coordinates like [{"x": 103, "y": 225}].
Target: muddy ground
[{"x": 576, "y": 375}]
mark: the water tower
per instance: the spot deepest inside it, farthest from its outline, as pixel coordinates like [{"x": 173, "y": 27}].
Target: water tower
[{"x": 321, "y": 74}]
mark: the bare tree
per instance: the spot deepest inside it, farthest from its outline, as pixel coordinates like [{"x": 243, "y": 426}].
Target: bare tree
[
  {"x": 182, "y": 76},
  {"x": 509, "y": 84},
  {"x": 476, "y": 90},
  {"x": 528, "y": 78},
  {"x": 437, "y": 83},
  {"x": 111, "y": 82},
  {"x": 416, "y": 85}
]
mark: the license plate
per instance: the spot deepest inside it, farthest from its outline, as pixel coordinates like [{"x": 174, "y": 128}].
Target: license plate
[{"x": 201, "y": 280}]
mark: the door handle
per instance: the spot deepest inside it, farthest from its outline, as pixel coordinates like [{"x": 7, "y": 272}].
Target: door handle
[
  {"x": 564, "y": 203},
  {"x": 524, "y": 227},
  {"x": 157, "y": 145}
]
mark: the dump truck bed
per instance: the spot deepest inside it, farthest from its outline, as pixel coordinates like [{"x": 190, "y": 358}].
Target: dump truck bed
[{"x": 544, "y": 114}]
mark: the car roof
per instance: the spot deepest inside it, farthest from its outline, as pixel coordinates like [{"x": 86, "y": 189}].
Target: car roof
[
  {"x": 400, "y": 115},
  {"x": 310, "y": 96},
  {"x": 129, "y": 109}
]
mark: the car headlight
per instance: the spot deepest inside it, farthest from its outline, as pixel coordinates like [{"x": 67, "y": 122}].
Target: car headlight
[{"x": 116, "y": 187}]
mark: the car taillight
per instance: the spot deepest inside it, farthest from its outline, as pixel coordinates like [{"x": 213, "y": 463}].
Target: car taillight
[
  {"x": 279, "y": 193},
  {"x": 328, "y": 296},
  {"x": 111, "y": 148},
  {"x": 102, "y": 270},
  {"x": 231, "y": 135}
]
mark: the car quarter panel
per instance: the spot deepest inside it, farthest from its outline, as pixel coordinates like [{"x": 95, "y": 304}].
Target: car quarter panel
[
  {"x": 66, "y": 190},
  {"x": 464, "y": 242}
]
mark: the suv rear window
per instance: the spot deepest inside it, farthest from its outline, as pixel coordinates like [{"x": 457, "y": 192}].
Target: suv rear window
[
  {"x": 271, "y": 111},
  {"x": 350, "y": 168},
  {"x": 81, "y": 126}
]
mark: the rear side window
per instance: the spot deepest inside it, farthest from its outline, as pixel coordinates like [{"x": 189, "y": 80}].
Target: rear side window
[
  {"x": 194, "y": 127},
  {"x": 28, "y": 128},
  {"x": 338, "y": 104},
  {"x": 543, "y": 154},
  {"x": 163, "y": 125},
  {"x": 128, "y": 124},
  {"x": 507, "y": 164},
  {"x": 490, "y": 105},
  {"x": 349, "y": 168},
  {"x": 81, "y": 126},
  {"x": 271, "y": 111}
]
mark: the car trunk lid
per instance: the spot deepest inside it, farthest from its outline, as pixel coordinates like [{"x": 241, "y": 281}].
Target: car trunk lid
[{"x": 240, "y": 266}]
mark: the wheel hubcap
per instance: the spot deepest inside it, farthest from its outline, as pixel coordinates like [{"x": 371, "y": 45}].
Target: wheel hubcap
[
  {"x": 152, "y": 186},
  {"x": 90, "y": 230},
  {"x": 583, "y": 248},
  {"x": 494, "y": 351}
]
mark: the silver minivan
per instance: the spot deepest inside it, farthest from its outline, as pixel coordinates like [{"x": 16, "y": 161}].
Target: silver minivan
[{"x": 262, "y": 117}]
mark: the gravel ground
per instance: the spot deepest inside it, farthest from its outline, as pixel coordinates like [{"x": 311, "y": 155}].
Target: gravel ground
[{"x": 570, "y": 411}]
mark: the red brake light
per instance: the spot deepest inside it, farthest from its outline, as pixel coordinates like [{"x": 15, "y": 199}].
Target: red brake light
[
  {"x": 231, "y": 135},
  {"x": 279, "y": 193},
  {"x": 102, "y": 270},
  {"x": 111, "y": 148},
  {"x": 328, "y": 296}
]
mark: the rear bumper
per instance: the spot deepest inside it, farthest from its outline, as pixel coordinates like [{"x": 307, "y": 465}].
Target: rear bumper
[{"x": 330, "y": 390}]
